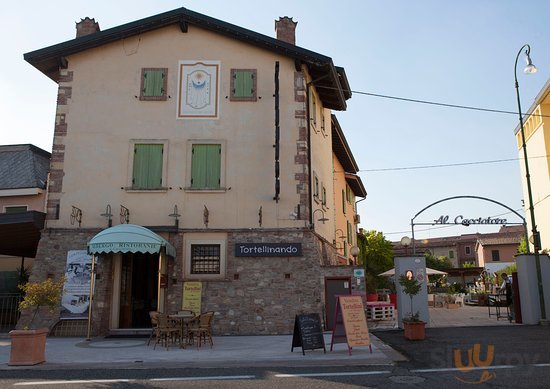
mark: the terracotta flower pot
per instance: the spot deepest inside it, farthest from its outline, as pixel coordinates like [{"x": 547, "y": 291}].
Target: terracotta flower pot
[
  {"x": 28, "y": 347},
  {"x": 372, "y": 297},
  {"x": 414, "y": 330}
]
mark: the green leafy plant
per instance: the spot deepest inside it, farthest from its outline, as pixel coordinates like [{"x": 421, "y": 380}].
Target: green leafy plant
[
  {"x": 411, "y": 287},
  {"x": 41, "y": 294}
]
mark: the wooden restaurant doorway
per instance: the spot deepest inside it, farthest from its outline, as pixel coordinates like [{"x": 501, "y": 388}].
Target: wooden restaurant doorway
[
  {"x": 138, "y": 289},
  {"x": 138, "y": 264}
]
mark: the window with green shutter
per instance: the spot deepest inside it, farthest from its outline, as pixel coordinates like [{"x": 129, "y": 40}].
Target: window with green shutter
[
  {"x": 243, "y": 84},
  {"x": 15, "y": 209},
  {"x": 153, "y": 83},
  {"x": 206, "y": 166},
  {"x": 147, "y": 169},
  {"x": 344, "y": 201},
  {"x": 312, "y": 108}
]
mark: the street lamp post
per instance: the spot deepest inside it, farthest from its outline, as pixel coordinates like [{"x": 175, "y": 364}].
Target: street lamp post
[{"x": 529, "y": 69}]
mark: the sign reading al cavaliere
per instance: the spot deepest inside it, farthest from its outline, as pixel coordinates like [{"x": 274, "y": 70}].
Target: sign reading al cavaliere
[{"x": 268, "y": 249}]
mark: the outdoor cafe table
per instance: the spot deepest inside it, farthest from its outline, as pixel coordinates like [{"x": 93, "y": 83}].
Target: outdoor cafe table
[{"x": 183, "y": 319}]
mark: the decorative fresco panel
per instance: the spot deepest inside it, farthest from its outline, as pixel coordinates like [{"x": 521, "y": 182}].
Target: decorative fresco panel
[{"x": 198, "y": 89}]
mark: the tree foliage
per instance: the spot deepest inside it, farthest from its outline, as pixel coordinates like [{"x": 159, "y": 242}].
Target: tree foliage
[
  {"x": 376, "y": 252},
  {"x": 522, "y": 247},
  {"x": 438, "y": 263},
  {"x": 41, "y": 294},
  {"x": 376, "y": 255}
]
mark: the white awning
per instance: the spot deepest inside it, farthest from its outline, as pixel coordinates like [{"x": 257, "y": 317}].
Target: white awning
[
  {"x": 429, "y": 271},
  {"x": 129, "y": 238}
]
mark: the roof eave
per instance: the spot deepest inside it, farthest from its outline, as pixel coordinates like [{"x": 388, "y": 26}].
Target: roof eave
[
  {"x": 356, "y": 185},
  {"x": 50, "y": 59},
  {"x": 341, "y": 148}
]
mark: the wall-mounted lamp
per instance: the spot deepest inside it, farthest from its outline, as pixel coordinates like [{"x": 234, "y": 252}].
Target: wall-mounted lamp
[
  {"x": 76, "y": 215},
  {"x": 342, "y": 236},
  {"x": 322, "y": 219},
  {"x": 175, "y": 215},
  {"x": 124, "y": 215},
  {"x": 205, "y": 216},
  {"x": 108, "y": 215},
  {"x": 260, "y": 215}
]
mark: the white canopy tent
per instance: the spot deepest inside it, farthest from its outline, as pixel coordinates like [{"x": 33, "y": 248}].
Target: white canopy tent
[{"x": 429, "y": 271}]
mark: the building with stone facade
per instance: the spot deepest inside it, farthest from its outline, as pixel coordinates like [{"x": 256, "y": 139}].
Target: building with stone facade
[{"x": 222, "y": 143}]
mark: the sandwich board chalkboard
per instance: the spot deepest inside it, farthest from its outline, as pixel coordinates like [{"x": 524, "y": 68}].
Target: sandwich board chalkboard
[
  {"x": 350, "y": 323},
  {"x": 308, "y": 333}
]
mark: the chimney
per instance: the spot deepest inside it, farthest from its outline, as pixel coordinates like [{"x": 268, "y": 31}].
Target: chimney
[
  {"x": 86, "y": 26},
  {"x": 285, "y": 28}
]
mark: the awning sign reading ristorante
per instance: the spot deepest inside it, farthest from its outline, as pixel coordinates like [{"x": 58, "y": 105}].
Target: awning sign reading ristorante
[
  {"x": 125, "y": 247},
  {"x": 268, "y": 249}
]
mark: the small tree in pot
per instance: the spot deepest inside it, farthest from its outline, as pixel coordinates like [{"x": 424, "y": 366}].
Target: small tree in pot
[
  {"x": 414, "y": 327},
  {"x": 28, "y": 345}
]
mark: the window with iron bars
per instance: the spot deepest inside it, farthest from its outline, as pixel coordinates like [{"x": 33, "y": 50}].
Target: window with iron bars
[{"x": 205, "y": 259}]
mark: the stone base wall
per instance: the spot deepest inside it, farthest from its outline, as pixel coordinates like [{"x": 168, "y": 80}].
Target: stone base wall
[
  {"x": 50, "y": 262},
  {"x": 259, "y": 295}
]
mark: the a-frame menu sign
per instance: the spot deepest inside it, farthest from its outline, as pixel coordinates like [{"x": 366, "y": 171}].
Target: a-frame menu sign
[
  {"x": 308, "y": 333},
  {"x": 350, "y": 323}
]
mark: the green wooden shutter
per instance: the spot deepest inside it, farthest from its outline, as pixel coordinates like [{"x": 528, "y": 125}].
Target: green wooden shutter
[
  {"x": 147, "y": 166},
  {"x": 343, "y": 201},
  {"x": 153, "y": 83},
  {"x": 243, "y": 83},
  {"x": 206, "y": 166}
]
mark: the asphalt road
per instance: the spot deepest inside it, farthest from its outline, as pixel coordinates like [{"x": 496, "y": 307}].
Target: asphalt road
[
  {"x": 487, "y": 357},
  {"x": 291, "y": 378}
]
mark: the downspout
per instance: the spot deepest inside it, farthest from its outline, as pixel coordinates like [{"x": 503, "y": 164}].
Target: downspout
[{"x": 310, "y": 204}]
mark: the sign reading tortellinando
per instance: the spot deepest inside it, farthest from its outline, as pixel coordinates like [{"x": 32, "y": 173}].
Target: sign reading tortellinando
[{"x": 268, "y": 249}]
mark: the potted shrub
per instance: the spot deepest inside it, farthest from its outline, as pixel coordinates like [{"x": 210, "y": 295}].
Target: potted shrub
[
  {"x": 450, "y": 301},
  {"x": 28, "y": 344},
  {"x": 371, "y": 288},
  {"x": 414, "y": 327}
]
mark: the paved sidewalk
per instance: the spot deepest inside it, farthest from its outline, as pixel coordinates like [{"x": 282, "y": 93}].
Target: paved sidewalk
[{"x": 68, "y": 353}]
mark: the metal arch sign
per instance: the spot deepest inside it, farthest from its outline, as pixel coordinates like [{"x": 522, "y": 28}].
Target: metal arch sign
[{"x": 461, "y": 220}]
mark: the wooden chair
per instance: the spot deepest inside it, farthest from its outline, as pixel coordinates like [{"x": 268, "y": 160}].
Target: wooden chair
[
  {"x": 202, "y": 329},
  {"x": 168, "y": 331},
  {"x": 154, "y": 326}
]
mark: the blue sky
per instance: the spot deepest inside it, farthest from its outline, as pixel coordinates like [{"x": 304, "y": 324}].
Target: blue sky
[{"x": 455, "y": 52}]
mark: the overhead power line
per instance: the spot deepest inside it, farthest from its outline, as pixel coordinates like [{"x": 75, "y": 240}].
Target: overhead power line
[
  {"x": 444, "y": 104},
  {"x": 459, "y": 106},
  {"x": 442, "y": 165},
  {"x": 439, "y": 166}
]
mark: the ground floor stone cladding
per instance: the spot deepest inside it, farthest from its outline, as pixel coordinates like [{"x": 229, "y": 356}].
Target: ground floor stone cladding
[{"x": 257, "y": 296}]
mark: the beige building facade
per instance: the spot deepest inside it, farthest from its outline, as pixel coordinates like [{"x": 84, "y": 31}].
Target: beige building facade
[
  {"x": 537, "y": 140},
  {"x": 216, "y": 138}
]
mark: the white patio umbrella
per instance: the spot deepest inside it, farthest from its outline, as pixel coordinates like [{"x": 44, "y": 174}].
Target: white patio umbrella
[{"x": 429, "y": 271}]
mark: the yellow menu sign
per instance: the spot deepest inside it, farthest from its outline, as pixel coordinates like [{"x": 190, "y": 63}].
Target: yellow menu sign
[
  {"x": 355, "y": 322},
  {"x": 192, "y": 296}
]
